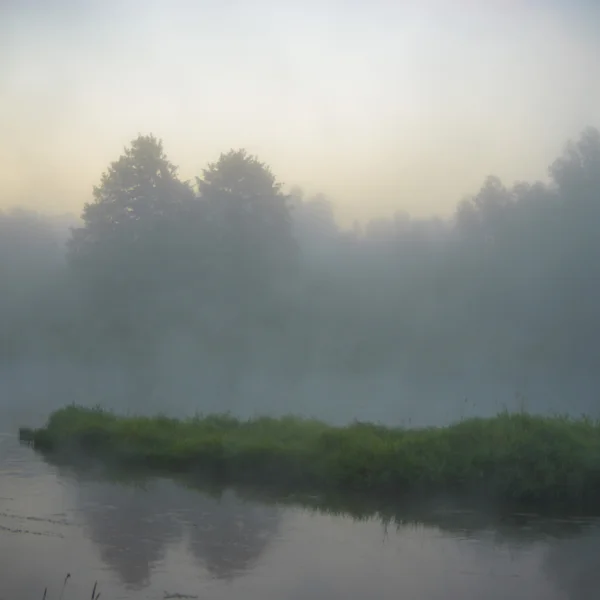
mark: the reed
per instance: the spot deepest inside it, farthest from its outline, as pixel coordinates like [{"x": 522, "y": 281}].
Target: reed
[
  {"x": 510, "y": 457},
  {"x": 95, "y": 593}
]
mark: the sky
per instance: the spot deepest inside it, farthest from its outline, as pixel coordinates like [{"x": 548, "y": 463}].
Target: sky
[{"x": 383, "y": 105}]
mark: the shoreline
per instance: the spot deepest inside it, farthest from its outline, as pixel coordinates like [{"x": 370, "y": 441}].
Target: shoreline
[{"x": 510, "y": 459}]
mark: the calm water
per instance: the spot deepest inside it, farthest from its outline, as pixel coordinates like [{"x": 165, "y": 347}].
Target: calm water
[{"x": 158, "y": 538}]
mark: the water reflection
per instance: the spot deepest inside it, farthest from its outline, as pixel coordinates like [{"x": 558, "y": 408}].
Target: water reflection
[
  {"x": 134, "y": 526},
  {"x": 143, "y": 538},
  {"x": 574, "y": 564},
  {"x": 228, "y": 536},
  {"x": 129, "y": 525},
  {"x": 227, "y": 532}
]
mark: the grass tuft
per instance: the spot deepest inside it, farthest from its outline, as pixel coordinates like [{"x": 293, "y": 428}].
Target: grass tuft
[
  {"x": 95, "y": 593},
  {"x": 514, "y": 458}
]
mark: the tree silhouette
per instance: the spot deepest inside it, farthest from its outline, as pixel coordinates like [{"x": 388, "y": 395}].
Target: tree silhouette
[
  {"x": 137, "y": 200},
  {"x": 250, "y": 220}
]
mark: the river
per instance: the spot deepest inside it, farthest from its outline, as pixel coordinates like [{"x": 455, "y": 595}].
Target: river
[{"x": 156, "y": 538}]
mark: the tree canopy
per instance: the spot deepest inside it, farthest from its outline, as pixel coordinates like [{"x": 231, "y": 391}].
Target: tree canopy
[{"x": 255, "y": 278}]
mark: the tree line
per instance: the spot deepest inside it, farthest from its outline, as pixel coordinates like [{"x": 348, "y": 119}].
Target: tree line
[{"x": 250, "y": 274}]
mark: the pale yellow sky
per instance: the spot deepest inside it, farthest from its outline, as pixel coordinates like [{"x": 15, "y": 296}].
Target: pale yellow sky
[{"x": 382, "y": 105}]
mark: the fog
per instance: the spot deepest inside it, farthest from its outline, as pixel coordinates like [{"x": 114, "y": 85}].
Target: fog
[
  {"x": 379, "y": 105},
  {"x": 418, "y": 246},
  {"x": 226, "y": 294}
]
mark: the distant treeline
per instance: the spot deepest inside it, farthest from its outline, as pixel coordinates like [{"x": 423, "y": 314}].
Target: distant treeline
[{"x": 253, "y": 276}]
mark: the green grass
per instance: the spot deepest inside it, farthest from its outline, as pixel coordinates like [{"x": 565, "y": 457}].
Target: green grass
[{"x": 512, "y": 458}]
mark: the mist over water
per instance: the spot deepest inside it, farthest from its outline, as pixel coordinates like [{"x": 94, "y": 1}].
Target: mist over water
[
  {"x": 402, "y": 321},
  {"x": 230, "y": 296},
  {"x": 180, "y": 281}
]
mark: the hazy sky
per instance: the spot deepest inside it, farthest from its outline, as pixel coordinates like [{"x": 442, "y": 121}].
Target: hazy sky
[{"x": 384, "y": 105}]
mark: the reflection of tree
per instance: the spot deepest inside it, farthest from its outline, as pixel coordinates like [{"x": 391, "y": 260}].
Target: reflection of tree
[
  {"x": 228, "y": 532},
  {"x": 574, "y": 565},
  {"x": 231, "y": 536},
  {"x": 133, "y": 526}
]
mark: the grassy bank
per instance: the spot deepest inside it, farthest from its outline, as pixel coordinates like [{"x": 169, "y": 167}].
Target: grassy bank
[{"x": 510, "y": 457}]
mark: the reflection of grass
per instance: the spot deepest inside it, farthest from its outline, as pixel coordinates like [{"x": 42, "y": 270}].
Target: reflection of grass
[
  {"x": 462, "y": 516},
  {"x": 510, "y": 457}
]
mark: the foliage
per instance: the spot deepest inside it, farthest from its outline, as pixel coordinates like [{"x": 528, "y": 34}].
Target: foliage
[
  {"x": 135, "y": 201},
  {"x": 507, "y": 289},
  {"x": 250, "y": 221},
  {"x": 517, "y": 458}
]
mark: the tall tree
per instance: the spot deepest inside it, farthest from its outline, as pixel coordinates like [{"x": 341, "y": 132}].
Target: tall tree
[
  {"x": 135, "y": 205},
  {"x": 250, "y": 219}
]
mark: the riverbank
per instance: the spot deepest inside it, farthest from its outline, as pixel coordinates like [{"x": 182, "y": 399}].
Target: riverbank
[{"x": 510, "y": 458}]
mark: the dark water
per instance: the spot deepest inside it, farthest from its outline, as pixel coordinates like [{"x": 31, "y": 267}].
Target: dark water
[{"x": 157, "y": 537}]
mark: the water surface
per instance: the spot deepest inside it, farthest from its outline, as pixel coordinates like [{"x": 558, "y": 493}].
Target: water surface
[{"x": 157, "y": 538}]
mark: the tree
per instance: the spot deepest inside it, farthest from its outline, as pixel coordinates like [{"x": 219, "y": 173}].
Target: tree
[
  {"x": 135, "y": 207},
  {"x": 250, "y": 221},
  {"x": 314, "y": 225},
  {"x": 128, "y": 251},
  {"x": 577, "y": 173},
  {"x": 489, "y": 213},
  {"x": 240, "y": 175}
]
